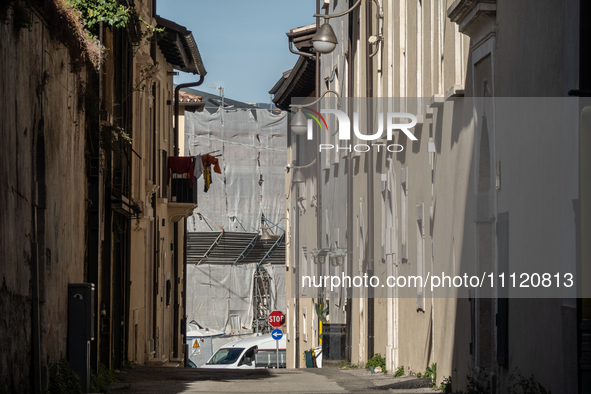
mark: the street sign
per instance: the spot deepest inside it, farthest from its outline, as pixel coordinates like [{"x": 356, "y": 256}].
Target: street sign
[
  {"x": 277, "y": 334},
  {"x": 276, "y": 319}
]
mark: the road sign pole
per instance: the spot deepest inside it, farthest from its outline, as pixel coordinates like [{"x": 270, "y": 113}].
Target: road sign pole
[{"x": 277, "y": 334}]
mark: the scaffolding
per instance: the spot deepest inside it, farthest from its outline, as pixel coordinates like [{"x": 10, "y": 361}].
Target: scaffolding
[
  {"x": 261, "y": 301},
  {"x": 235, "y": 279}
]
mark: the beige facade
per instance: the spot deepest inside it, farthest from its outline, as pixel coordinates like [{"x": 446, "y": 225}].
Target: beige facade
[
  {"x": 422, "y": 209},
  {"x": 86, "y": 198}
]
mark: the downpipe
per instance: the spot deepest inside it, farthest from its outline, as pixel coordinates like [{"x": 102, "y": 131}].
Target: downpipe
[{"x": 176, "y": 225}]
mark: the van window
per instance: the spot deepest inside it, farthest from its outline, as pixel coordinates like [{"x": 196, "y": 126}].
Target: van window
[
  {"x": 248, "y": 355},
  {"x": 226, "y": 356}
]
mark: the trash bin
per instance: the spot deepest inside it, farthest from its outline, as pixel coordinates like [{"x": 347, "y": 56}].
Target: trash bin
[{"x": 309, "y": 359}]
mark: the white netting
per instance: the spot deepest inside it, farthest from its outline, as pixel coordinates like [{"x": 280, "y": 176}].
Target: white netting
[
  {"x": 277, "y": 288},
  {"x": 253, "y": 145},
  {"x": 218, "y": 292}
]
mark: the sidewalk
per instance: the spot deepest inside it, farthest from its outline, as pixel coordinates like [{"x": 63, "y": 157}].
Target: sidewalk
[{"x": 162, "y": 380}]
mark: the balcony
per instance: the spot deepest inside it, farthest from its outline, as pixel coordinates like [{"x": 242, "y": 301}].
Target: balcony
[{"x": 183, "y": 187}]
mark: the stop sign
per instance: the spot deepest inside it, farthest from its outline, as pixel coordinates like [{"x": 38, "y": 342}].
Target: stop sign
[{"x": 276, "y": 318}]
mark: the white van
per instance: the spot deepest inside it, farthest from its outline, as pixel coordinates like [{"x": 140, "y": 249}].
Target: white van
[{"x": 249, "y": 353}]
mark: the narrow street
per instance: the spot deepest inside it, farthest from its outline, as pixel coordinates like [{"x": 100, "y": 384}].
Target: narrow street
[
  {"x": 162, "y": 380},
  {"x": 272, "y": 196}
]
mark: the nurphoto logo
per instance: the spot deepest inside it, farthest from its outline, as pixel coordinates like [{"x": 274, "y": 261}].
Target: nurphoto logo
[{"x": 344, "y": 130}]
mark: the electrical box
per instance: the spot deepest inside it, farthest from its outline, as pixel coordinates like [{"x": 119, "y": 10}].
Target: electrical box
[{"x": 81, "y": 329}]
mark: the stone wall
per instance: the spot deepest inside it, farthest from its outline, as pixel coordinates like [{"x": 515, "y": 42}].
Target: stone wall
[{"x": 43, "y": 196}]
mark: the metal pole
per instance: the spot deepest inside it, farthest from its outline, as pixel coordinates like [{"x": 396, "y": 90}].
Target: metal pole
[{"x": 277, "y": 354}]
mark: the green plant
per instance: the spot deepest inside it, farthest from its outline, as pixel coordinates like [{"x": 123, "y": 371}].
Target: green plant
[
  {"x": 477, "y": 382},
  {"x": 62, "y": 379},
  {"x": 399, "y": 372},
  {"x": 113, "y": 138},
  {"x": 321, "y": 311},
  {"x": 100, "y": 382},
  {"x": 126, "y": 364},
  {"x": 110, "y": 12},
  {"x": 446, "y": 385},
  {"x": 523, "y": 385},
  {"x": 376, "y": 361},
  {"x": 419, "y": 375},
  {"x": 431, "y": 372}
]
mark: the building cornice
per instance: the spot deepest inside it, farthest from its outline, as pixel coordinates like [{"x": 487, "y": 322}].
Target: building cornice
[{"x": 474, "y": 17}]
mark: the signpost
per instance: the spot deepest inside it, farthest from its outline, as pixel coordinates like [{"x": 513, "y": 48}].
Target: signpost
[
  {"x": 277, "y": 334},
  {"x": 276, "y": 319}
]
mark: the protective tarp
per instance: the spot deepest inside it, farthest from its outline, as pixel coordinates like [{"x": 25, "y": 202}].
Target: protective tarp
[
  {"x": 252, "y": 144},
  {"x": 220, "y": 296},
  {"x": 277, "y": 288}
]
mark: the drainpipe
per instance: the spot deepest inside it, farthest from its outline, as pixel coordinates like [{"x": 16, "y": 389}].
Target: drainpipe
[
  {"x": 176, "y": 109},
  {"x": 370, "y": 184},
  {"x": 349, "y": 311},
  {"x": 305, "y": 54},
  {"x": 319, "y": 215},
  {"x": 176, "y": 225}
]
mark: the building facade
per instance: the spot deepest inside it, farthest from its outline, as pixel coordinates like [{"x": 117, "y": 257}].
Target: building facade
[
  {"x": 89, "y": 125},
  {"x": 443, "y": 204}
]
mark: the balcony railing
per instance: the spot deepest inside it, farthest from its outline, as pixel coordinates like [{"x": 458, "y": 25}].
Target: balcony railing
[
  {"x": 183, "y": 184},
  {"x": 181, "y": 190}
]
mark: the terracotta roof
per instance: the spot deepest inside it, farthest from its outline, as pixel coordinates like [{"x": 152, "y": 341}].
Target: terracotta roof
[{"x": 185, "y": 97}]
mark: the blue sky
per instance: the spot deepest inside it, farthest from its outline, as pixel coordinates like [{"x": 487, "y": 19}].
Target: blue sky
[{"x": 242, "y": 42}]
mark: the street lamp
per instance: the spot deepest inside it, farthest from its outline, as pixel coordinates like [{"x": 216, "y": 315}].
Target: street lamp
[
  {"x": 319, "y": 256},
  {"x": 298, "y": 177},
  {"x": 325, "y": 40},
  {"x": 299, "y": 123},
  {"x": 337, "y": 257}
]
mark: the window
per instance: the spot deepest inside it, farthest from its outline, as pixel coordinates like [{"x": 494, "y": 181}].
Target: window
[
  {"x": 305, "y": 325},
  {"x": 226, "y": 356},
  {"x": 248, "y": 357},
  {"x": 304, "y": 267},
  {"x": 420, "y": 258},
  {"x": 168, "y": 290},
  {"x": 403, "y": 212},
  {"x": 164, "y": 179}
]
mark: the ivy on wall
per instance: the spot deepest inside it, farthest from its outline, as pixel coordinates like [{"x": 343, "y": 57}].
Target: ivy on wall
[{"x": 110, "y": 12}]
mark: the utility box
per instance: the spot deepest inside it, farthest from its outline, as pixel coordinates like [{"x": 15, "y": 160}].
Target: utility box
[{"x": 81, "y": 329}]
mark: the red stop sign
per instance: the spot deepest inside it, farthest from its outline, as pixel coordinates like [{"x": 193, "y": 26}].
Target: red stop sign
[{"x": 276, "y": 319}]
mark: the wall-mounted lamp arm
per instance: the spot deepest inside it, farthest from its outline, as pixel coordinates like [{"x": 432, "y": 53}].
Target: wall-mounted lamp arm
[
  {"x": 306, "y": 54},
  {"x": 380, "y": 13},
  {"x": 327, "y": 16},
  {"x": 379, "y": 38},
  {"x": 306, "y": 166},
  {"x": 315, "y": 101}
]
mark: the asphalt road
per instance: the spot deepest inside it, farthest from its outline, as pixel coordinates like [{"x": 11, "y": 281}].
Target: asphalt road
[{"x": 162, "y": 380}]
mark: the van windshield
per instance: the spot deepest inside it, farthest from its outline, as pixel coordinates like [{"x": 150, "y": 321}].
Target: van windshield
[{"x": 226, "y": 356}]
